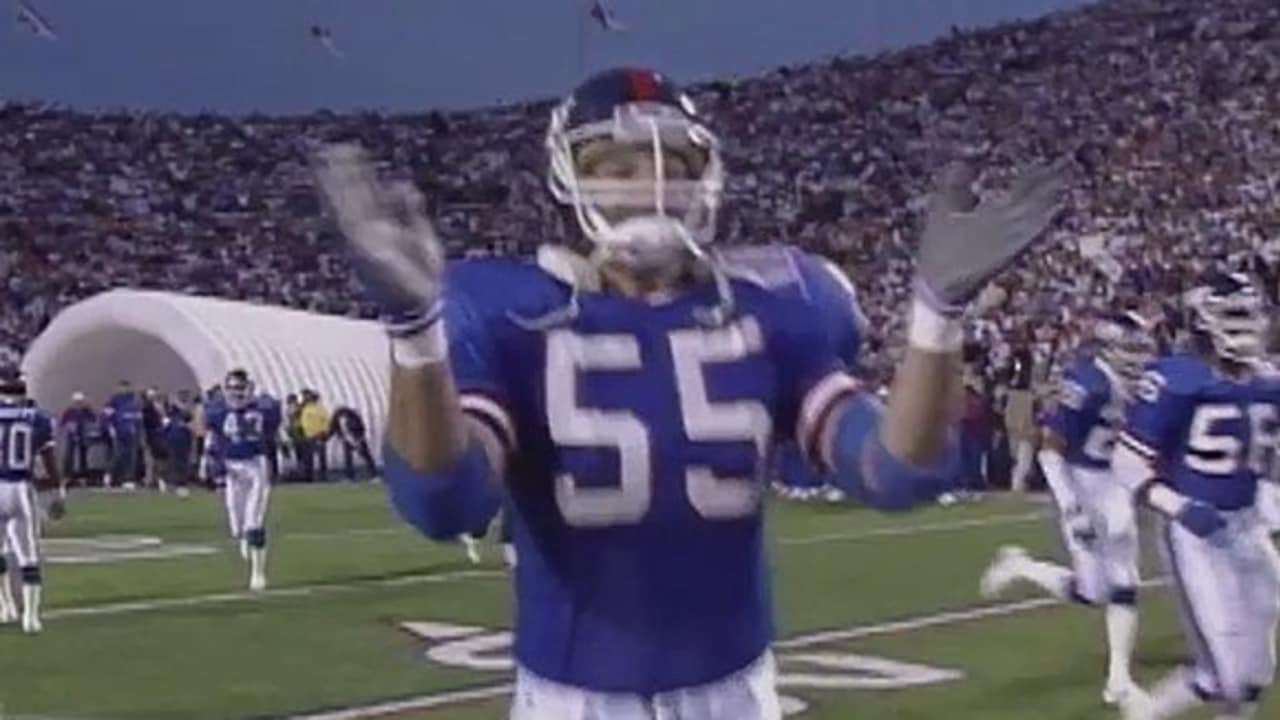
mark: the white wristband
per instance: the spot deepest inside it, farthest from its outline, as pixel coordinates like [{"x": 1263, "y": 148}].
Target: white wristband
[
  {"x": 932, "y": 331},
  {"x": 421, "y": 349},
  {"x": 1166, "y": 500}
]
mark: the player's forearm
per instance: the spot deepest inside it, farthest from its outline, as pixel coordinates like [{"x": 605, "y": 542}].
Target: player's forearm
[
  {"x": 925, "y": 392},
  {"x": 442, "y": 468},
  {"x": 1058, "y": 475},
  {"x": 1131, "y": 468},
  {"x": 53, "y": 473},
  {"x": 426, "y": 427}
]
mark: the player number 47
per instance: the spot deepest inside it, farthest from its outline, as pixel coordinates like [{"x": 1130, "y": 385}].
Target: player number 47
[{"x": 735, "y": 423}]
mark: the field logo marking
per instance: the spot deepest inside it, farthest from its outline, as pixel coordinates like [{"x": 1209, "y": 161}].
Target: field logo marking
[
  {"x": 485, "y": 650},
  {"x": 102, "y": 549}
]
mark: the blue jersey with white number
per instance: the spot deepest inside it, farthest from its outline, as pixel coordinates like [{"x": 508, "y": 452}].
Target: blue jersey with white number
[
  {"x": 1209, "y": 435},
  {"x": 25, "y": 430},
  {"x": 244, "y": 432},
  {"x": 637, "y": 435},
  {"x": 1088, "y": 414}
]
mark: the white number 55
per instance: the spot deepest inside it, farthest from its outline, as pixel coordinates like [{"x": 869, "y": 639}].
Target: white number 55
[{"x": 622, "y": 431}]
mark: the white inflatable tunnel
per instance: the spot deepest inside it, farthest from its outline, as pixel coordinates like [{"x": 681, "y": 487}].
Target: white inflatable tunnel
[{"x": 175, "y": 342}]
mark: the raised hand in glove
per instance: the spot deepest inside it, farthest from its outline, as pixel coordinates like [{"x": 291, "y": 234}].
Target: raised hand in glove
[
  {"x": 394, "y": 248},
  {"x": 967, "y": 242}
]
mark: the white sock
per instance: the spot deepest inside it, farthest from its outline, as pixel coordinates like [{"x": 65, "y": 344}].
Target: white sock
[
  {"x": 1054, "y": 579},
  {"x": 258, "y": 561},
  {"x": 30, "y": 600},
  {"x": 1174, "y": 696},
  {"x": 6, "y": 595},
  {"x": 1122, "y": 633}
]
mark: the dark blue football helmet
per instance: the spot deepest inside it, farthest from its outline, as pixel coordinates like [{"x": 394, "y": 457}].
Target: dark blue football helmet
[
  {"x": 645, "y": 215},
  {"x": 1228, "y": 312},
  {"x": 1126, "y": 342},
  {"x": 237, "y": 388},
  {"x": 13, "y": 386}
]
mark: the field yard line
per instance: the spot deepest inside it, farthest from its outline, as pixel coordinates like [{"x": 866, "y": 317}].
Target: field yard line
[
  {"x": 299, "y": 591},
  {"x": 925, "y": 529},
  {"x": 950, "y": 617},
  {"x": 305, "y": 590},
  {"x": 920, "y": 622},
  {"x": 989, "y": 521},
  {"x": 897, "y": 531},
  {"x": 421, "y": 702}
]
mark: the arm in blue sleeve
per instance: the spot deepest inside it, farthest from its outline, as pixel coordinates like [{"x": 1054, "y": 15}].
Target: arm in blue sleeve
[
  {"x": 443, "y": 505},
  {"x": 865, "y": 470}
]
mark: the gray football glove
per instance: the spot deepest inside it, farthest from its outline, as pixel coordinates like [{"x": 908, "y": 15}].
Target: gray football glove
[
  {"x": 967, "y": 242},
  {"x": 393, "y": 247}
]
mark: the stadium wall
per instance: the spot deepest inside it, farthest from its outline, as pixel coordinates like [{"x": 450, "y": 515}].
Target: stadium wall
[{"x": 173, "y": 342}]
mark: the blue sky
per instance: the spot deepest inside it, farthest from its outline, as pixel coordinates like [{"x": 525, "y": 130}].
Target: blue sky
[{"x": 246, "y": 55}]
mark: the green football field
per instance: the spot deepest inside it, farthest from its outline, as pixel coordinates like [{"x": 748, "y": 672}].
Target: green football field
[{"x": 146, "y": 617}]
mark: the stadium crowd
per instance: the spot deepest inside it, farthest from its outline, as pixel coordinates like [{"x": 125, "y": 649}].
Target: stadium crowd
[{"x": 1168, "y": 107}]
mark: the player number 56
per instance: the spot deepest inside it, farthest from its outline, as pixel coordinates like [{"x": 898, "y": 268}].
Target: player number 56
[{"x": 1220, "y": 453}]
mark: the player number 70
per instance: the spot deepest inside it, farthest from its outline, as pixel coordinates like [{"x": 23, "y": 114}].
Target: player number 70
[
  {"x": 733, "y": 422},
  {"x": 15, "y": 446}
]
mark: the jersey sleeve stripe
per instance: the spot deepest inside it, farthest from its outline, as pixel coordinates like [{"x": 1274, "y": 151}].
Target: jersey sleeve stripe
[
  {"x": 493, "y": 414},
  {"x": 1137, "y": 446},
  {"x": 815, "y": 411}
]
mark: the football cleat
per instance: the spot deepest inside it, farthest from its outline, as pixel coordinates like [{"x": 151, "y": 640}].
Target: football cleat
[
  {"x": 31, "y": 624},
  {"x": 1118, "y": 694},
  {"x": 472, "y": 547},
  {"x": 257, "y": 582},
  {"x": 1002, "y": 572}
]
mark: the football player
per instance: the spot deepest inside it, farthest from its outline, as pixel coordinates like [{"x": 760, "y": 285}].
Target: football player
[
  {"x": 625, "y": 397},
  {"x": 240, "y": 428},
  {"x": 1095, "y": 513},
  {"x": 1198, "y": 439},
  {"x": 26, "y": 435}
]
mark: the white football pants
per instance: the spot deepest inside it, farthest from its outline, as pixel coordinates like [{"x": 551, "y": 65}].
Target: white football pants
[
  {"x": 1110, "y": 561},
  {"x": 246, "y": 493},
  {"x": 749, "y": 694},
  {"x": 20, "y": 521},
  {"x": 1229, "y": 596}
]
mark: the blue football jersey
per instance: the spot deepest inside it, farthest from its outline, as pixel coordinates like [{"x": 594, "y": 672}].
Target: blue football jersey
[
  {"x": 123, "y": 414},
  {"x": 638, "y": 438},
  {"x": 245, "y": 432},
  {"x": 25, "y": 430},
  {"x": 818, "y": 283},
  {"x": 1088, "y": 414},
  {"x": 1210, "y": 436}
]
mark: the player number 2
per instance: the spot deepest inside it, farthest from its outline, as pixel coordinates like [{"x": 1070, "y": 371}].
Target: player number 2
[
  {"x": 15, "y": 446},
  {"x": 705, "y": 420}
]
